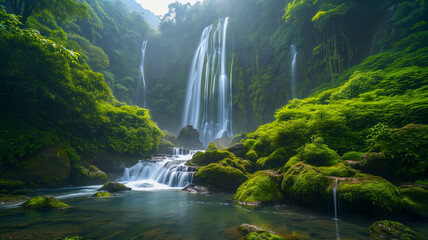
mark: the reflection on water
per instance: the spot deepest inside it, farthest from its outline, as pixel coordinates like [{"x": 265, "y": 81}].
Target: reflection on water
[{"x": 171, "y": 215}]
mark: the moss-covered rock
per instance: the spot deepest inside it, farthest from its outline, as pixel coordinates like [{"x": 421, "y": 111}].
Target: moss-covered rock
[
  {"x": 243, "y": 165},
  {"x": 353, "y": 155},
  {"x": 305, "y": 184},
  {"x": 318, "y": 154},
  {"x": 369, "y": 194},
  {"x": 49, "y": 167},
  {"x": 188, "y": 137},
  {"x": 169, "y": 137},
  {"x": 237, "y": 149},
  {"x": 219, "y": 177},
  {"x": 340, "y": 169},
  {"x": 400, "y": 155},
  {"x": 275, "y": 160},
  {"x": 261, "y": 188},
  {"x": 392, "y": 230},
  {"x": 101, "y": 194},
  {"x": 252, "y": 155},
  {"x": 415, "y": 199},
  {"x": 7, "y": 199},
  {"x": 10, "y": 185},
  {"x": 166, "y": 147},
  {"x": 213, "y": 146},
  {"x": 252, "y": 232},
  {"x": 114, "y": 187},
  {"x": 205, "y": 158},
  {"x": 44, "y": 202},
  {"x": 88, "y": 175}
]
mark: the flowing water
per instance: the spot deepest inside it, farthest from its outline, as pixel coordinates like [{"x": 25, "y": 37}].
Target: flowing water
[
  {"x": 293, "y": 54},
  {"x": 140, "y": 94},
  {"x": 336, "y": 219},
  {"x": 208, "y": 104}
]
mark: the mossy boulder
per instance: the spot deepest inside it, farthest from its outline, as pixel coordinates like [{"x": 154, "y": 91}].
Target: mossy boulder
[
  {"x": 252, "y": 155},
  {"x": 114, "y": 187},
  {"x": 219, "y": 177},
  {"x": 369, "y": 194},
  {"x": 340, "y": 169},
  {"x": 213, "y": 146},
  {"x": 318, "y": 154},
  {"x": 10, "y": 185},
  {"x": 188, "y": 137},
  {"x": 416, "y": 200},
  {"x": 243, "y": 165},
  {"x": 237, "y": 149},
  {"x": 305, "y": 184},
  {"x": 261, "y": 188},
  {"x": 252, "y": 232},
  {"x": 169, "y": 137},
  {"x": 392, "y": 230},
  {"x": 88, "y": 175},
  {"x": 101, "y": 194},
  {"x": 275, "y": 160},
  {"x": 166, "y": 147},
  {"x": 353, "y": 156},
  {"x": 44, "y": 202},
  {"x": 49, "y": 168},
  {"x": 205, "y": 158},
  {"x": 400, "y": 155}
]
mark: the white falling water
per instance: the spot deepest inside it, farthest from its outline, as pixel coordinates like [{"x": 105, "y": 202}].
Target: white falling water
[
  {"x": 335, "y": 209},
  {"x": 170, "y": 173},
  {"x": 293, "y": 54},
  {"x": 140, "y": 96},
  {"x": 208, "y": 104}
]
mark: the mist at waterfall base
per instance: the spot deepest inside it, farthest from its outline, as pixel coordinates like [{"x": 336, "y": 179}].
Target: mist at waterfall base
[
  {"x": 140, "y": 92},
  {"x": 169, "y": 173},
  {"x": 208, "y": 103}
]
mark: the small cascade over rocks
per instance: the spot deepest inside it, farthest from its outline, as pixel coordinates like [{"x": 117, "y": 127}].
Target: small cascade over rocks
[
  {"x": 208, "y": 104},
  {"x": 293, "y": 55},
  {"x": 169, "y": 173},
  {"x": 140, "y": 94}
]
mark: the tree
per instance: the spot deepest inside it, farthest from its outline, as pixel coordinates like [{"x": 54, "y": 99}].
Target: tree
[{"x": 60, "y": 9}]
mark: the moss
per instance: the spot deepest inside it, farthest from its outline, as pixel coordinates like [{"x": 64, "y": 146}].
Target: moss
[
  {"x": 212, "y": 147},
  {"x": 89, "y": 175},
  {"x": 113, "y": 187},
  {"x": 340, "y": 169},
  {"x": 275, "y": 160},
  {"x": 305, "y": 184},
  {"x": 101, "y": 194},
  {"x": 355, "y": 156},
  {"x": 289, "y": 164},
  {"x": 249, "y": 143},
  {"x": 9, "y": 185},
  {"x": 251, "y": 232},
  {"x": 243, "y": 165},
  {"x": 392, "y": 230},
  {"x": 369, "y": 194},
  {"x": 44, "y": 202},
  {"x": 415, "y": 199},
  {"x": 252, "y": 155},
  {"x": 318, "y": 154},
  {"x": 7, "y": 199},
  {"x": 205, "y": 158},
  {"x": 261, "y": 188},
  {"x": 219, "y": 177}
]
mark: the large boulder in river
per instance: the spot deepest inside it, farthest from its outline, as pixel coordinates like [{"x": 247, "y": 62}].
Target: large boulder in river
[
  {"x": 49, "y": 168},
  {"x": 219, "y": 177},
  {"x": 114, "y": 187},
  {"x": 188, "y": 137},
  {"x": 392, "y": 230}
]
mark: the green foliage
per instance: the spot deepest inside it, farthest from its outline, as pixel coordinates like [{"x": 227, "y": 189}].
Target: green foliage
[
  {"x": 219, "y": 177},
  {"x": 376, "y": 133},
  {"x": 101, "y": 194},
  {"x": 352, "y": 155},
  {"x": 44, "y": 202},
  {"x": 8, "y": 185},
  {"x": 260, "y": 188}
]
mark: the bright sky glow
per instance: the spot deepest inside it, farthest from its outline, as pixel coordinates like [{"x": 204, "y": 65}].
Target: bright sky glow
[{"x": 160, "y": 7}]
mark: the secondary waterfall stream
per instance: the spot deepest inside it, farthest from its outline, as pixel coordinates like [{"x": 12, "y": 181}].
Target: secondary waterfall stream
[
  {"x": 140, "y": 94},
  {"x": 335, "y": 209},
  {"x": 208, "y": 104},
  {"x": 168, "y": 173},
  {"x": 293, "y": 54}
]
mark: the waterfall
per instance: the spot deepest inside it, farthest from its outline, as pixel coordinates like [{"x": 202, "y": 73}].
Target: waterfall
[
  {"x": 208, "y": 104},
  {"x": 164, "y": 174},
  {"x": 141, "y": 100},
  {"x": 335, "y": 209},
  {"x": 293, "y": 54}
]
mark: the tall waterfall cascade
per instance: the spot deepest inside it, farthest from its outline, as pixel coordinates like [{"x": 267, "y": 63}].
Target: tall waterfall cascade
[
  {"x": 169, "y": 173},
  {"x": 140, "y": 95},
  {"x": 208, "y": 103},
  {"x": 293, "y": 54}
]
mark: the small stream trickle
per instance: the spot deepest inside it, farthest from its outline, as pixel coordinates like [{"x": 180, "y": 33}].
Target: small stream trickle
[{"x": 335, "y": 209}]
